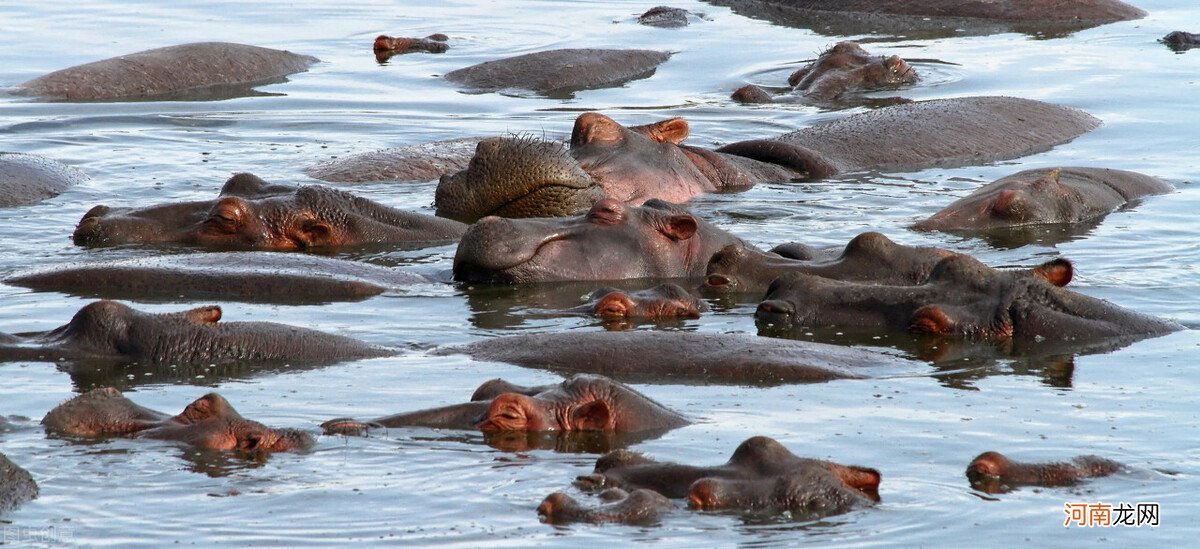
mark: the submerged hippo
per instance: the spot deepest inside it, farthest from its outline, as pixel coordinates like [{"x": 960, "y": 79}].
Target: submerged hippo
[
  {"x": 253, "y": 214},
  {"x": 386, "y": 46},
  {"x": 519, "y": 177},
  {"x": 1180, "y": 41},
  {"x": 1043, "y": 196},
  {"x": 961, "y": 297},
  {"x": 29, "y": 178},
  {"x": 112, "y": 330},
  {"x": 174, "y": 72},
  {"x": 664, "y": 17},
  {"x": 636, "y": 507},
  {"x": 936, "y": 18},
  {"x": 611, "y": 241},
  {"x": 665, "y": 301},
  {"x": 559, "y": 73},
  {"x": 425, "y": 162},
  {"x": 844, "y": 68},
  {"x": 994, "y": 473},
  {"x": 209, "y": 423},
  {"x": 694, "y": 356},
  {"x": 580, "y": 403},
  {"x": 16, "y": 485},
  {"x": 259, "y": 277},
  {"x": 762, "y": 475}
]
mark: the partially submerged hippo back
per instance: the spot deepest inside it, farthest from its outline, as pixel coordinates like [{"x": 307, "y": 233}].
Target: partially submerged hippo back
[
  {"x": 559, "y": 73},
  {"x": 16, "y": 485},
  {"x": 168, "y": 70},
  {"x": 424, "y": 162},
  {"x": 28, "y": 178}
]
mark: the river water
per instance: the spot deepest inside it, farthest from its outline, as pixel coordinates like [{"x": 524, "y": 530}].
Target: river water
[{"x": 920, "y": 428}]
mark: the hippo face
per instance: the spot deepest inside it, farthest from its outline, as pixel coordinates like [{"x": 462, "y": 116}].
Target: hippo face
[
  {"x": 847, "y": 67},
  {"x": 521, "y": 177},
  {"x": 517, "y": 412},
  {"x": 611, "y": 241},
  {"x": 211, "y": 423},
  {"x": 264, "y": 218},
  {"x": 665, "y": 301}
]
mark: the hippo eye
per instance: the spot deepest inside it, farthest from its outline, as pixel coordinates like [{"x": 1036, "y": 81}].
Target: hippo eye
[{"x": 221, "y": 222}]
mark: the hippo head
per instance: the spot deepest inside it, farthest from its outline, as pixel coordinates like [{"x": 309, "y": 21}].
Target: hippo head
[
  {"x": 611, "y": 241},
  {"x": 522, "y": 177},
  {"x": 847, "y": 67},
  {"x": 517, "y": 412},
  {"x": 665, "y": 301},
  {"x": 211, "y": 423},
  {"x": 251, "y": 214},
  {"x": 110, "y": 328},
  {"x": 1037, "y": 198}
]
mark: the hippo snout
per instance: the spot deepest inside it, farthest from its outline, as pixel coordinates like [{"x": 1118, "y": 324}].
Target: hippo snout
[
  {"x": 775, "y": 311},
  {"x": 90, "y": 229}
]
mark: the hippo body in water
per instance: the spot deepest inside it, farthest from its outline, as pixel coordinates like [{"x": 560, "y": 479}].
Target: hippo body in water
[
  {"x": 209, "y": 423},
  {"x": 559, "y": 73},
  {"x": 637, "y": 507},
  {"x": 413, "y": 163},
  {"x": 16, "y": 485},
  {"x": 111, "y": 330},
  {"x": 842, "y": 69},
  {"x": 519, "y": 177},
  {"x": 994, "y": 473},
  {"x": 29, "y": 178},
  {"x": 762, "y": 475},
  {"x": 185, "y": 71},
  {"x": 250, "y": 213}
]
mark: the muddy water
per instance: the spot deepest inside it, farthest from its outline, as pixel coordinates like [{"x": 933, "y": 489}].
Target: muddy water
[{"x": 919, "y": 427}]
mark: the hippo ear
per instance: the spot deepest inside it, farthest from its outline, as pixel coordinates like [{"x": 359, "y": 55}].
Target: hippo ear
[
  {"x": 673, "y": 131},
  {"x": 593, "y": 127},
  {"x": 615, "y": 304},
  {"x": 859, "y": 478},
  {"x": 679, "y": 227},
  {"x": 931, "y": 319},
  {"x": 1058, "y": 272},
  {"x": 593, "y": 416},
  {"x": 314, "y": 233}
]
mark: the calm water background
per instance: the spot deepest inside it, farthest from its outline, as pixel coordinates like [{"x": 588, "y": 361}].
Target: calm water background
[{"x": 920, "y": 428}]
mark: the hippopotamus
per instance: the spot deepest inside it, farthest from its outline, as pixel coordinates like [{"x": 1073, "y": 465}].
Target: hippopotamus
[
  {"x": 209, "y": 423},
  {"x": 1180, "y": 41},
  {"x": 424, "y": 162},
  {"x": 582, "y": 402},
  {"x": 740, "y": 359},
  {"x": 843, "y": 68},
  {"x": 637, "y": 507},
  {"x": 870, "y": 258},
  {"x": 257, "y": 277},
  {"x": 664, "y": 17},
  {"x": 29, "y": 178},
  {"x": 559, "y": 73},
  {"x": 662, "y": 302},
  {"x": 611, "y": 241},
  {"x": 16, "y": 485},
  {"x": 994, "y": 473},
  {"x": 111, "y": 330},
  {"x": 762, "y": 475},
  {"x": 387, "y": 46},
  {"x": 917, "y": 19},
  {"x": 250, "y": 213},
  {"x": 174, "y": 72},
  {"x": 1041, "y": 196},
  {"x": 961, "y": 298},
  {"x": 521, "y": 177}
]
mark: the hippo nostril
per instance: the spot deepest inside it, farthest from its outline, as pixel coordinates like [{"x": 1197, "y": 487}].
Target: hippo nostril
[
  {"x": 775, "y": 307},
  {"x": 718, "y": 281}
]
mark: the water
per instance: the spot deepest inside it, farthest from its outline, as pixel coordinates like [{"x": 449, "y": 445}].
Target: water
[{"x": 423, "y": 487}]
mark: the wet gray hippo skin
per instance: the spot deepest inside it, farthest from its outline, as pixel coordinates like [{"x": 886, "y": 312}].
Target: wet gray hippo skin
[
  {"x": 665, "y": 301},
  {"x": 664, "y": 17},
  {"x": 994, "y": 473},
  {"x": 917, "y": 19},
  {"x": 1042, "y": 196},
  {"x": 844, "y": 68},
  {"x": 258, "y": 277},
  {"x": 870, "y": 258},
  {"x": 209, "y": 423},
  {"x": 611, "y": 241},
  {"x": 582, "y": 402},
  {"x": 762, "y": 475},
  {"x": 29, "y": 178},
  {"x": 961, "y": 298},
  {"x": 425, "y": 162},
  {"x": 1181, "y": 41},
  {"x": 112, "y": 330},
  {"x": 636, "y": 507},
  {"x": 253, "y": 214},
  {"x": 559, "y": 73},
  {"x": 529, "y": 178},
  {"x": 637, "y": 356},
  {"x": 16, "y": 485},
  {"x": 169, "y": 70}
]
